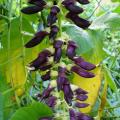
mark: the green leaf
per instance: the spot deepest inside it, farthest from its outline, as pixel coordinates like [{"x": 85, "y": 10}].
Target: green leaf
[
  {"x": 110, "y": 79},
  {"x": 1, "y": 106},
  {"x": 32, "y": 112},
  {"x": 108, "y": 20}
]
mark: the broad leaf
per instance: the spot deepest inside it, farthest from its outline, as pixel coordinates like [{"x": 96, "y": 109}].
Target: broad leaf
[{"x": 34, "y": 111}]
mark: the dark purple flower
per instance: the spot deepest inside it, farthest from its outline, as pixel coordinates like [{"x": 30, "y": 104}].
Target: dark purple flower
[
  {"x": 54, "y": 10},
  {"x": 60, "y": 81},
  {"x": 74, "y": 8},
  {"x": 82, "y": 116},
  {"x": 32, "y": 9},
  {"x": 83, "y": 64},
  {"x": 82, "y": 72},
  {"x": 37, "y": 2},
  {"x": 46, "y": 92},
  {"x": 81, "y": 105},
  {"x": 68, "y": 2},
  {"x": 81, "y": 97},
  {"x": 53, "y": 32},
  {"x": 41, "y": 59},
  {"x": 51, "y": 102},
  {"x": 51, "y": 19},
  {"x": 71, "y": 49},
  {"x": 37, "y": 39},
  {"x": 80, "y": 91},
  {"x": 72, "y": 114},
  {"x": 46, "y": 76},
  {"x": 58, "y": 44},
  {"x": 45, "y": 66},
  {"x": 80, "y": 22},
  {"x": 83, "y": 2},
  {"x": 57, "y": 54},
  {"x": 46, "y": 118}
]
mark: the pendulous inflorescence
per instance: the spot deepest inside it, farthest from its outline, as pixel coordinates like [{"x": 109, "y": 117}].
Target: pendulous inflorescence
[{"x": 63, "y": 51}]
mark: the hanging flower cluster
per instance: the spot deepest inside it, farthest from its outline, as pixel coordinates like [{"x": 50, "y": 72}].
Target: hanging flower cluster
[{"x": 61, "y": 48}]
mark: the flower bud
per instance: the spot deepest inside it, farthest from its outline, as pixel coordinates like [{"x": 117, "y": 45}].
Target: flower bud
[
  {"x": 74, "y": 9},
  {"x": 53, "y": 32},
  {"x": 54, "y": 10},
  {"x": 58, "y": 44},
  {"x": 45, "y": 67},
  {"x": 51, "y": 102},
  {"x": 32, "y": 9},
  {"x": 46, "y": 92},
  {"x": 81, "y": 97},
  {"x": 80, "y": 22},
  {"x": 83, "y": 64},
  {"x": 37, "y": 2},
  {"x": 81, "y": 105},
  {"x": 46, "y": 76},
  {"x": 41, "y": 59},
  {"x": 72, "y": 114},
  {"x": 79, "y": 91},
  {"x": 83, "y": 2},
  {"x": 51, "y": 19},
  {"x": 37, "y": 39},
  {"x": 82, "y": 72},
  {"x": 57, "y": 54},
  {"x": 71, "y": 49}
]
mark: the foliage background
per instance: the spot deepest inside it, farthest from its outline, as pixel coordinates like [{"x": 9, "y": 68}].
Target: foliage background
[{"x": 99, "y": 44}]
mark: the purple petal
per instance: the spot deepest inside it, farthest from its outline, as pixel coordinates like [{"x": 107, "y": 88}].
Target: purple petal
[
  {"x": 37, "y": 39},
  {"x": 82, "y": 72},
  {"x": 83, "y": 64},
  {"x": 80, "y": 91},
  {"x": 83, "y": 2},
  {"x": 53, "y": 32},
  {"x": 81, "y": 105},
  {"x": 51, "y": 102},
  {"x": 46, "y": 92},
  {"x": 57, "y": 54},
  {"x": 58, "y": 44},
  {"x": 55, "y": 10},
  {"x": 72, "y": 114},
  {"x": 74, "y": 8},
  {"x": 51, "y": 19},
  {"x": 44, "y": 67},
  {"x": 80, "y": 22},
  {"x": 37, "y": 2},
  {"x": 81, "y": 97},
  {"x": 31, "y": 9},
  {"x": 46, "y": 76}
]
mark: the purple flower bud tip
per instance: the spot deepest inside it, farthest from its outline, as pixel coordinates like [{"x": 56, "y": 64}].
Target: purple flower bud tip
[
  {"x": 55, "y": 10},
  {"x": 83, "y": 116},
  {"x": 74, "y": 9},
  {"x": 58, "y": 44},
  {"x": 46, "y": 92},
  {"x": 68, "y": 2},
  {"x": 82, "y": 72},
  {"x": 51, "y": 19},
  {"x": 46, "y": 118},
  {"x": 80, "y": 22},
  {"x": 81, "y": 97},
  {"x": 51, "y": 102},
  {"x": 46, "y": 76},
  {"x": 71, "y": 49},
  {"x": 41, "y": 59},
  {"x": 57, "y": 54},
  {"x": 53, "y": 32},
  {"x": 81, "y": 105},
  {"x": 72, "y": 114},
  {"x": 32, "y": 9},
  {"x": 44, "y": 67},
  {"x": 80, "y": 91},
  {"x": 37, "y": 39},
  {"x": 83, "y": 64},
  {"x": 83, "y": 2},
  {"x": 37, "y": 2}
]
